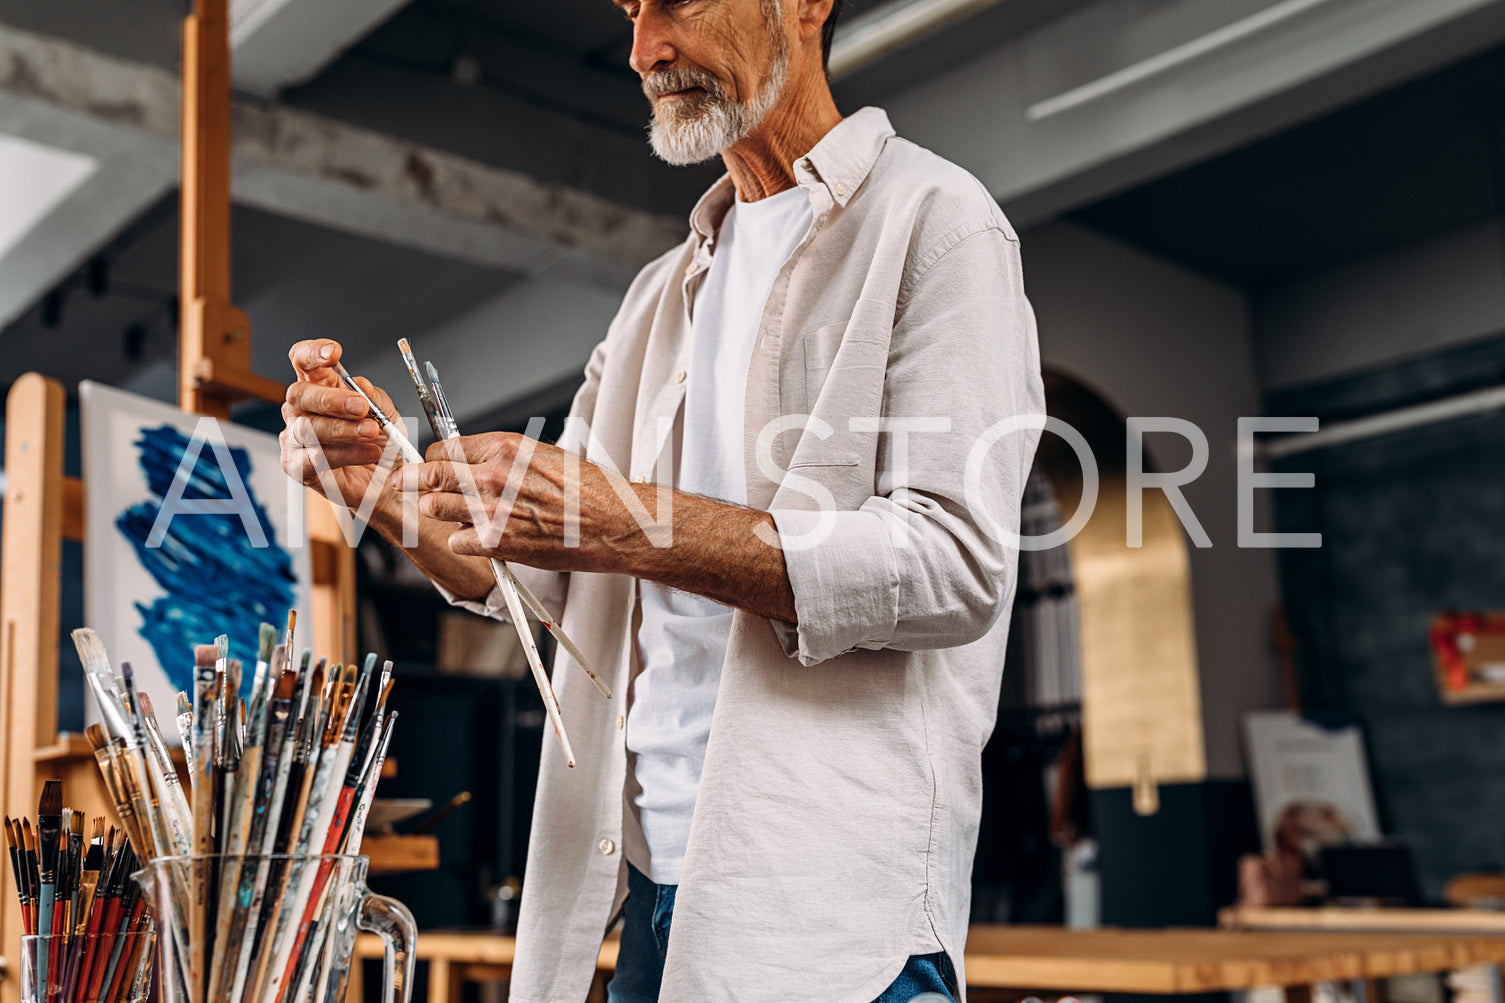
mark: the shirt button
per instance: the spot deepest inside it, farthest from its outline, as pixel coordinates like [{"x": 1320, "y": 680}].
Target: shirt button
[
  {"x": 679, "y": 377},
  {"x": 621, "y": 721},
  {"x": 607, "y": 847},
  {"x": 841, "y": 190},
  {"x": 689, "y": 269}
]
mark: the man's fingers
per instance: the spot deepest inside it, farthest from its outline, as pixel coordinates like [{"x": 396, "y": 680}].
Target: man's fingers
[
  {"x": 466, "y": 541},
  {"x": 312, "y": 360},
  {"x": 317, "y": 431},
  {"x": 332, "y": 401},
  {"x": 434, "y": 475},
  {"x": 300, "y": 462},
  {"x": 454, "y": 451},
  {"x": 453, "y": 506}
]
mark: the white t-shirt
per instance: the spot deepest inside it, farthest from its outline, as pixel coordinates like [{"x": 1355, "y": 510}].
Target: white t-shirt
[{"x": 682, "y": 640}]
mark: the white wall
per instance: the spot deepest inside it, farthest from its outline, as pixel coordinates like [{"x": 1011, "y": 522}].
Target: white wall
[
  {"x": 1384, "y": 307},
  {"x": 1154, "y": 339}
]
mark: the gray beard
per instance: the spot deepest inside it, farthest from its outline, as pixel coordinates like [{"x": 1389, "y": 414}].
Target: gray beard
[{"x": 712, "y": 122}]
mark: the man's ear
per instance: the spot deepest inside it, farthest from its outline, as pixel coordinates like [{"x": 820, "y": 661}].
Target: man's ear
[{"x": 813, "y": 14}]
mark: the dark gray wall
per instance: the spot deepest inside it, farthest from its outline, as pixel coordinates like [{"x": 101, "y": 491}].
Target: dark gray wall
[{"x": 1412, "y": 524}]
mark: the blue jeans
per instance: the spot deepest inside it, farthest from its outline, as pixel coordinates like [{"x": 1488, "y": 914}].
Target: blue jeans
[{"x": 645, "y": 941}]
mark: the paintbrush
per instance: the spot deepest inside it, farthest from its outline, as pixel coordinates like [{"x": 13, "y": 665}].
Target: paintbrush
[
  {"x": 185, "y": 734},
  {"x": 205, "y": 793},
  {"x": 394, "y": 431},
  {"x": 437, "y": 421},
  {"x": 368, "y": 788},
  {"x": 299, "y": 784},
  {"x": 266, "y": 642},
  {"x": 170, "y": 830},
  {"x": 269, "y": 794},
  {"x": 75, "y": 861},
  {"x": 508, "y": 586},
  {"x": 451, "y": 806},
  {"x": 18, "y": 870},
  {"x": 33, "y": 880},
  {"x": 239, "y": 812},
  {"x": 69, "y": 882},
  {"x": 446, "y": 428},
  {"x": 324, "y": 834},
  {"x": 99, "y": 677},
  {"x": 333, "y": 756},
  {"x": 229, "y": 742},
  {"x": 171, "y": 792},
  {"x": 109, "y": 770},
  {"x": 442, "y": 421},
  {"x": 49, "y": 833},
  {"x": 89, "y": 876}
]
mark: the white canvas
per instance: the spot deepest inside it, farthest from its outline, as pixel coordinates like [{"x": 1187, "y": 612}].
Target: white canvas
[{"x": 210, "y": 577}]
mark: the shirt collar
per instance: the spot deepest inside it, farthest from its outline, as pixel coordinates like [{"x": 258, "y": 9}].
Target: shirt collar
[{"x": 839, "y": 163}]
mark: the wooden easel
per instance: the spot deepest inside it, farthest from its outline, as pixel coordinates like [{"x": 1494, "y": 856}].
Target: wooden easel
[{"x": 43, "y": 508}]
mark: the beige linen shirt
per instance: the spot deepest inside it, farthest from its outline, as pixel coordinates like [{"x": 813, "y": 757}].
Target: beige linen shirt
[{"x": 838, "y": 810}]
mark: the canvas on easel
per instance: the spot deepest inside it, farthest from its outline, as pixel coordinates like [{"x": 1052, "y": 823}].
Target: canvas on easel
[{"x": 192, "y": 532}]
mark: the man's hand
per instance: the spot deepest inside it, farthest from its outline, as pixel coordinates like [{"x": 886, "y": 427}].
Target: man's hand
[
  {"x": 321, "y": 414},
  {"x": 512, "y": 498}
]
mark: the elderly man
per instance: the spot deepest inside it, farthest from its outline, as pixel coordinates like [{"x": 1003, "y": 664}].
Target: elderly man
[{"x": 789, "y": 545}]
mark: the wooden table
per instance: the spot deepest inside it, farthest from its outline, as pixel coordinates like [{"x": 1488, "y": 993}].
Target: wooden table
[
  {"x": 1055, "y": 961},
  {"x": 1353, "y": 919},
  {"x": 1194, "y": 961}
]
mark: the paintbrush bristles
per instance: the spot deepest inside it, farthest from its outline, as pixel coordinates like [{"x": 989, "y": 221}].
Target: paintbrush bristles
[
  {"x": 91, "y": 650},
  {"x": 51, "y": 802},
  {"x": 268, "y": 641}
]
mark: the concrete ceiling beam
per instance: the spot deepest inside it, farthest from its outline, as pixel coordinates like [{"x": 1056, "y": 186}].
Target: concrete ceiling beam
[{"x": 295, "y": 163}]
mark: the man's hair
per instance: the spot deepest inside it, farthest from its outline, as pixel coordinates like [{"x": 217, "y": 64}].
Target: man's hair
[{"x": 829, "y": 32}]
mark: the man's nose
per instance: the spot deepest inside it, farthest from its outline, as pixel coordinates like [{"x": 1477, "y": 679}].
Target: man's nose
[{"x": 651, "y": 45}]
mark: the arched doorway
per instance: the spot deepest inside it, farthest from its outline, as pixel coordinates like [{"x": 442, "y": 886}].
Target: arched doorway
[{"x": 1101, "y": 705}]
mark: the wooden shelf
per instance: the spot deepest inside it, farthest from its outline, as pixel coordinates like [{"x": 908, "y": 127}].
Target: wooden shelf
[
  {"x": 397, "y": 854},
  {"x": 69, "y": 746},
  {"x": 1472, "y": 693}
]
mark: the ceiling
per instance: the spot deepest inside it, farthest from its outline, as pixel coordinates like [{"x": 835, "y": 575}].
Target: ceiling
[
  {"x": 555, "y": 99},
  {"x": 1420, "y": 160},
  {"x": 115, "y": 319}
]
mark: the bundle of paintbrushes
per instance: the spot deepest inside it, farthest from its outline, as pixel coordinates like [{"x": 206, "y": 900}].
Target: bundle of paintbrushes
[
  {"x": 520, "y": 602},
  {"x": 89, "y": 921},
  {"x": 276, "y": 781}
]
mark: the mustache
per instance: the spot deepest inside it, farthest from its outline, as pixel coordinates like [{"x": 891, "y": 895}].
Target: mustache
[{"x": 678, "y": 78}]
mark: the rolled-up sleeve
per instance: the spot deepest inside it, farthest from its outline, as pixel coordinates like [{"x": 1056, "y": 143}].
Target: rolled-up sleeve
[{"x": 920, "y": 564}]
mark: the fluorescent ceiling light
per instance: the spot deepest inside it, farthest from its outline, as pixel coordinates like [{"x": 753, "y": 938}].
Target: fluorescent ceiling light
[
  {"x": 1170, "y": 58},
  {"x": 34, "y": 180},
  {"x": 248, "y": 15},
  {"x": 895, "y": 25}
]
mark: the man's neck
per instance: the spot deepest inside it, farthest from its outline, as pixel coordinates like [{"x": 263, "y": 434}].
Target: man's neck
[{"x": 762, "y": 164}]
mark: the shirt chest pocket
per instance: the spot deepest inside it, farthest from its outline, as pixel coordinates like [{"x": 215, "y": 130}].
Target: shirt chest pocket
[{"x": 835, "y": 373}]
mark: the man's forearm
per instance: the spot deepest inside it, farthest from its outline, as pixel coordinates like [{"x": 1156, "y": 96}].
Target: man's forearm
[{"x": 715, "y": 552}]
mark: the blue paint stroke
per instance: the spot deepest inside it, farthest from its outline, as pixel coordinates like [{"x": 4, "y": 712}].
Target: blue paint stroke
[{"x": 216, "y": 581}]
